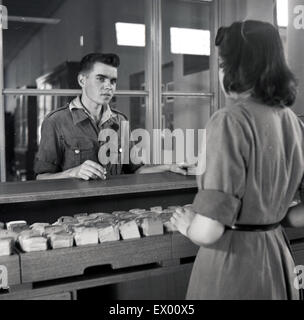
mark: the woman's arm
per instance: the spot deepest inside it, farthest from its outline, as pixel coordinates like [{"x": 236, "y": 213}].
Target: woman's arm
[
  {"x": 204, "y": 231},
  {"x": 199, "y": 229},
  {"x": 294, "y": 217}
]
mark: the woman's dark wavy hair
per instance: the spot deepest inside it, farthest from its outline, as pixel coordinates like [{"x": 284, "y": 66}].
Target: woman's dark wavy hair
[{"x": 253, "y": 59}]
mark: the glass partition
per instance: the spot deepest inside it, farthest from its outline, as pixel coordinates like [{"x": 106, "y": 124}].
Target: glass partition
[
  {"x": 46, "y": 39},
  {"x": 186, "y": 45}
]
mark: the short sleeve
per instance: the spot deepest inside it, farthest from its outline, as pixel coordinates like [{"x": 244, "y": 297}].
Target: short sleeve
[
  {"x": 224, "y": 180},
  {"x": 49, "y": 155}
]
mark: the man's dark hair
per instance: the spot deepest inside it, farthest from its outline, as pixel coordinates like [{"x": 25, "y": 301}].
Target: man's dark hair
[
  {"x": 87, "y": 62},
  {"x": 253, "y": 59}
]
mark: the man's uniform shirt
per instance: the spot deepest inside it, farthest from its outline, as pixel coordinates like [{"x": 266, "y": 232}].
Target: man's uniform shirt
[{"x": 69, "y": 137}]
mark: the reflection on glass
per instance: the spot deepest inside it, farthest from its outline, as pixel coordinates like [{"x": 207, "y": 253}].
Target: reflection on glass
[
  {"x": 186, "y": 46},
  {"x": 190, "y": 41},
  {"x": 187, "y": 114},
  {"x": 33, "y": 50},
  {"x": 130, "y": 34},
  {"x": 282, "y": 21},
  {"x": 282, "y": 13}
]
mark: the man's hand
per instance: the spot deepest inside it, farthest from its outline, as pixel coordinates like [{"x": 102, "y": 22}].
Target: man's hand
[
  {"x": 182, "y": 219},
  {"x": 182, "y": 168},
  {"x": 88, "y": 170}
]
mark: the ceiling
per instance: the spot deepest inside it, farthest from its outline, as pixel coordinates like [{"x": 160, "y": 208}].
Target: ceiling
[{"x": 18, "y": 33}]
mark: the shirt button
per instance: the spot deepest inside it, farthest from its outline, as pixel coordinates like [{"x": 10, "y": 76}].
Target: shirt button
[{"x": 77, "y": 151}]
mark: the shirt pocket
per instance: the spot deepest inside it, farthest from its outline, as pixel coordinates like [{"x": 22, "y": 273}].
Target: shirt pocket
[
  {"x": 78, "y": 150},
  {"x": 109, "y": 150}
]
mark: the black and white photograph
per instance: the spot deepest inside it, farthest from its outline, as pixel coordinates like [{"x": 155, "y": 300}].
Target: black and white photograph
[{"x": 151, "y": 153}]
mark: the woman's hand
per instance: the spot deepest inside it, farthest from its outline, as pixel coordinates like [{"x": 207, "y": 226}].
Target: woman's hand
[
  {"x": 184, "y": 168},
  {"x": 177, "y": 168},
  {"x": 182, "y": 219}
]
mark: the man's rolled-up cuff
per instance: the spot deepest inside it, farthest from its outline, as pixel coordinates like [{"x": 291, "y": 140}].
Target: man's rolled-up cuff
[{"x": 217, "y": 205}]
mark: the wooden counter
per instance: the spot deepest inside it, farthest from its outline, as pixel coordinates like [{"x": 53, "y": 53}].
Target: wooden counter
[
  {"x": 15, "y": 192},
  {"x": 59, "y": 273},
  {"x": 151, "y": 267},
  {"x": 68, "y": 262},
  {"x": 25, "y": 200},
  {"x": 46, "y": 201},
  {"x": 12, "y": 264}
]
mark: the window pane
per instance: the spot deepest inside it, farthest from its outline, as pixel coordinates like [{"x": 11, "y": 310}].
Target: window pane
[
  {"x": 186, "y": 46},
  {"x": 184, "y": 113},
  {"x": 23, "y": 129},
  {"x": 21, "y": 137},
  {"x": 50, "y": 53},
  {"x": 134, "y": 108},
  {"x": 282, "y": 13}
]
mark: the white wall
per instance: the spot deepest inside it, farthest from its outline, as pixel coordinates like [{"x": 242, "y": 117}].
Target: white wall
[
  {"x": 239, "y": 10},
  {"x": 295, "y": 42}
]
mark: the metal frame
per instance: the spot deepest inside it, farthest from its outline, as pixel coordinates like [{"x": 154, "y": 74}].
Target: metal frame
[
  {"x": 157, "y": 78},
  {"x": 214, "y": 61},
  {"x": 153, "y": 91},
  {"x": 148, "y": 65},
  {"x": 154, "y": 73},
  {"x": 187, "y": 94},
  {"x": 33, "y": 20},
  {"x": 67, "y": 92},
  {"x": 2, "y": 114},
  {"x": 2, "y": 111}
]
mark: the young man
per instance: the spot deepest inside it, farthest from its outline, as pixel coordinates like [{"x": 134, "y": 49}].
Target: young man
[{"x": 69, "y": 135}]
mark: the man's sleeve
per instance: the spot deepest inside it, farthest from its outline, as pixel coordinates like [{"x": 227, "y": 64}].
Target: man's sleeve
[
  {"x": 49, "y": 155},
  {"x": 131, "y": 167}
]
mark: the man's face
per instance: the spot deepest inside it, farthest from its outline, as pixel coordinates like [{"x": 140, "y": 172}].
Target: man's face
[{"x": 99, "y": 84}]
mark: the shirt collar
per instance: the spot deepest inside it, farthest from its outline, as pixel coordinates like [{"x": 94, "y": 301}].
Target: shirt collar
[{"x": 80, "y": 113}]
